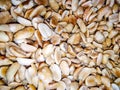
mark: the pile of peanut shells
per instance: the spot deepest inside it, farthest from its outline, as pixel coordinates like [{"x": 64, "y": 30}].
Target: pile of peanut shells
[{"x": 59, "y": 44}]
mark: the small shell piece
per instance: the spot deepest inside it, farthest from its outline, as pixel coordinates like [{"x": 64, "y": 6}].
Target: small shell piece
[
  {"x": 48, "y": 50},
  {"x": 45, "y": 75},
  {"x": 39, "y": 10},
  {"x": 99, "y": 37},
  {"x": 15, "y": 27},
  {"x": 74, "y": 5},
  {"x": 4, "y": 37},
  {"x": 28, "y": 48},
  {"x": 56, "y": 39},
  {"x": 38, "y": 37},
  {"x": 54, "y": 5},
  {"x": 5, "y": 62},
  {"x": 115, "y": 86},
  {"x": 4, "y": 27},
  {"x": 56, "y": 72},
  {"x": 5, "y": 17},
  {"x": 74, "y": 39},
  {"x": 24, "y": 21},
  {"x": 64, "y": 68},
  {"x": 24, "y": 33},
  {"x": 85, "y": 72},
  {"x": 90, "y": 81},
  {"x": 74, "y": 86},
  {"x": 45, "y": 31},
  {"x": 12, "y": 71},
  {"x": 102, "y": 12},
  {"x": 82, "y": 25},
  {"x": 5, "y": 87},
  {"x": 105, "y": 81},
  {"x": 25, "y": 61}
]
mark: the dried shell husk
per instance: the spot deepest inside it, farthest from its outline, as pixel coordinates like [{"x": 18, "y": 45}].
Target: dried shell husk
[
  {"x": 25, "y": 61},
  {"x": 24, "y": 33},
  {"x": 54, "y": 5},
  {"x": 12, "y": 71},
  {"x": 5, "y": 17},
  {"x": 4, "y": 37},
  {"x": 45, "y": 31},
  {"x": 24, "y": 21},
  {"x": 56, "y": 72}
]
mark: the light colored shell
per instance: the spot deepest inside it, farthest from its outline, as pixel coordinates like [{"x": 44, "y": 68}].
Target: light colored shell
[
  {"x": 24, "y": 21},
  {"x": 82, "y": 25},
  {"x": 25, "y": 61},
  {"x": 57, "y": 55},
  {"x": 21, "y": 72},
  {"x": 15, "y": 51},
  {"x": 63, "y": 46},
  {"x": 115, "y": 86},
  {"x": 71, "y": 51},
  {"x": 4, "y": 27},
  {"x": 15, "y": 27},
  {"x": 2, "y": 87},
  {"x": 83, "y": 88},
  {"x": 55, "y": 39},
  {"x": 85, "y": 72},
  {"x": 74, "y": 39},
  {"x": 24, "y": 33},
  {"x": 12, "y": 71},
  {"x": 74, "y": 86},
  {"x": 105, "y": 81},
  {"x": 17, "y": 2},
  {"x": 105, "y": 58},
  {"x": 4, "y": 37},
  {"x": 35, "y": 80},
  {"x": 27, "y": 47},
  {"x": 50, "y": 60},
  {"x": 29, "y": 5},
  {"x": 99, "y": 58},
  {"x": 64, "y": 68},
  {"x": 114, "y": 18},
  {"x": 74, "y": 5},
  {"x": 99, "y": 37},
  {"x": 41, "y": 85},
  {"x": 90, "y": 81},
  {"x": 36, "y": 21},
  {"x": 56, "y": 72},
  {"x": 61, "y": 85},
  {"x": 68, "y": 28},
  {"x": 45, "y": 75},
  {"x": 38, "y": 11},
  {"x": 5, "y": 62},
  {"x": 38, "y": 37},
  {"x": 45, "y": 31},
  {"x": 113, "y": 33},
  {"x": 54, "y": 5},
  {"x": 48, "y": 50},
  {"x": 102, "y": 12}
]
